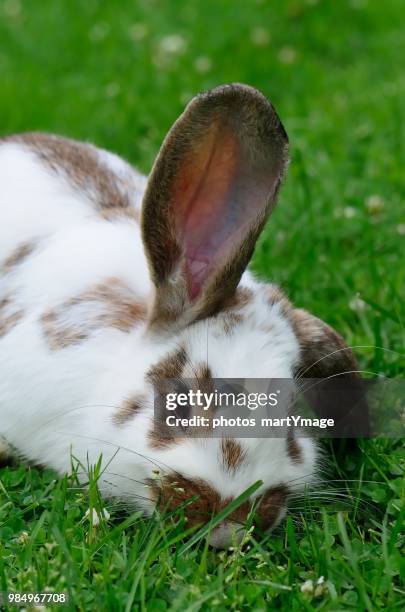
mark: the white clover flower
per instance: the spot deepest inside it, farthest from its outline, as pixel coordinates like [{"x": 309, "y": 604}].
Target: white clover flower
[
  {"x": 203, "y": 64},
  {"x": 357, "y": 304},
  {"x": 349, "y": 212},
  {"x": 374, "y": 204},
  {"x": 12, "y": 8},
  {"x": 96, "y": 517},
  {"x": 307, "y": 587},
  {"x": 174, "y": 44},
  {"x": 138, "y": 31},
  {"x": 287, "y": 55},
  {"x": 321, "y": 587},
  {"x": 260, "y": 37},
  {"x": 23, "y": 537},
  {"x": 167, "y": 50}
]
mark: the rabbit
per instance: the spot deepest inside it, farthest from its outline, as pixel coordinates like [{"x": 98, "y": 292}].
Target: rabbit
[{"x": 111, "y": 282}]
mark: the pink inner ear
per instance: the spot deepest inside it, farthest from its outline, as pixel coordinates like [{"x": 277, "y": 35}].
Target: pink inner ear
[{"x": 216, "y": 197}]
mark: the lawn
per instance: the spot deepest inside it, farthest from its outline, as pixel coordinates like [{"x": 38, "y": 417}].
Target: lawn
[{"x": 118, "y": 74}]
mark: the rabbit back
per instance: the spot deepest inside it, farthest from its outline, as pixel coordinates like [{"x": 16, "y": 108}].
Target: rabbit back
[{"x": 73, "y": 276}]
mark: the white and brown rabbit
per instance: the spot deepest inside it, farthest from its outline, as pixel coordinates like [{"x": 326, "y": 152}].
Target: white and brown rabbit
[{"x": 110, "y": 281}]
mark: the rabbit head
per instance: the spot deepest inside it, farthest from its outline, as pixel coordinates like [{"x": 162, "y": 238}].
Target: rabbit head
[{"x": 211, "y": 190}]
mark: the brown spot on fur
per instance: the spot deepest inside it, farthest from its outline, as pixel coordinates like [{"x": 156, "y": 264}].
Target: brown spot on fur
[
  {"x": 293, "y": 449},
  {"x": 231, "y": 321},
  {"x": 18, "y": 256},
  {"x": 203, "y": 379},
  {"x": 59, "y": 336},
  {"x": 7, "y": 323},
  {"x": 81, "y": 165},
  {"x": 9, "y": 317},
  {"x": 321, "y": 347},
  {"x": 128, "y": 409},
  {"x": 174, "y": 374},
  {"x": 111, "y": 304},
  {"x": 109, "y": 214},
  {"x": 271, "y": 504},
  {"x": 170, "y": 367},
  {"x": 340, "y": 395},
  {"x": 160, "y": 438},
  {"x": 232, "y": 454},
  {"x": 231, "y": 312},
  {"x": 172, "y": 491},
  {"x": 276, "y": 296},
  {"x": 203, "y": 372},
  {"x": 199, "y": 378}
]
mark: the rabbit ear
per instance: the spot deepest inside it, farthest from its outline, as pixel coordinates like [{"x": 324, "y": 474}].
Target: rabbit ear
[
  {"x": 323, "y": 353},
  {"x": 210, "y": 192},
  {"x": 336, "y": 390}
]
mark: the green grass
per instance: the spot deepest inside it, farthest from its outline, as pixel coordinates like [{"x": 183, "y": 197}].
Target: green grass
[{"x": 334, "y": 70}]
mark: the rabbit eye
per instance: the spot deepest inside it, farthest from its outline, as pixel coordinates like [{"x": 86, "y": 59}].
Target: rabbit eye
[
  {"x": 183, "y": 409},
  {"x": 183, "y": 412}
]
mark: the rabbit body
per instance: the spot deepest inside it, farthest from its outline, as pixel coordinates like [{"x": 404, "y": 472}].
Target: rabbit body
[
  {"x": 52, "y": 395},
  {"x": 98, "y": 301}
]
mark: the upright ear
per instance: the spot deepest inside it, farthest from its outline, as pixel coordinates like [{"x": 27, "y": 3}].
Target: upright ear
[
  {"x": 323, "y": 353},
  {"x": 336, "y": 389},
  {"x": 213, "y": 185}
]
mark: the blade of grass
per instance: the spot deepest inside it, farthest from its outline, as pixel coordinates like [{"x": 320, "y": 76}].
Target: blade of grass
[
  {"x": 352, "y": 559},
  {"x": 221, "y": 516}
]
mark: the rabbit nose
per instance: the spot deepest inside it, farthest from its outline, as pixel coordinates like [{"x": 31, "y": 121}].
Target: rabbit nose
[{"x": 226, "y": 534}]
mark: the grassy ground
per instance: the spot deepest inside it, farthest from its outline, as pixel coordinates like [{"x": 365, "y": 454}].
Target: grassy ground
[{"x": 118, "y": 74}]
